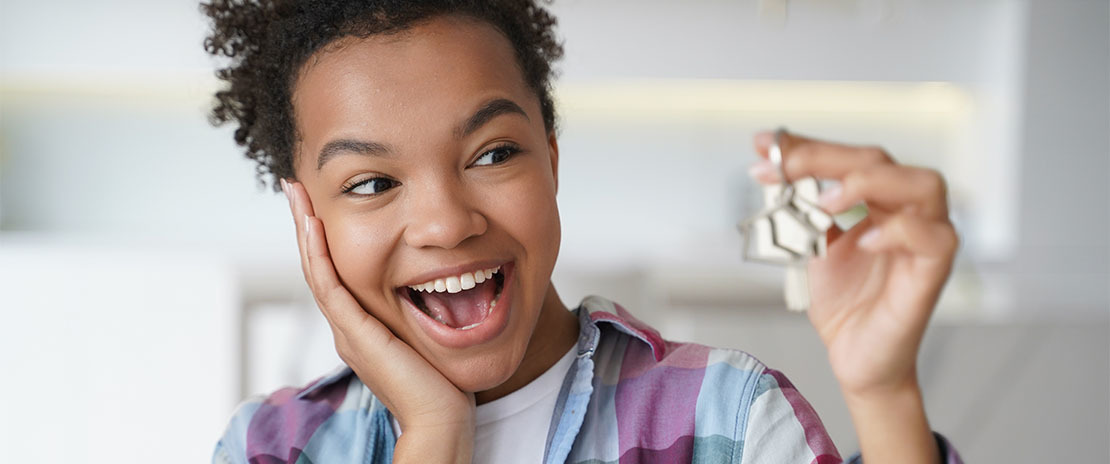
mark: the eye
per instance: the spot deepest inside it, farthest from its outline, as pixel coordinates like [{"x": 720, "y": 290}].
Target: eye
[
  {"x": 371, "y": 186},
  {"x": 497, "y": 155}
]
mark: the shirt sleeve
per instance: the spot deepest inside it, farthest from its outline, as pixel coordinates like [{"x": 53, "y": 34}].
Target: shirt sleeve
[
  {"x": 221, "y": 456},
  {"x": 231, "y": 449},
  {"x": 948, "y": 454},
  {"x": 782, "y": 427}
]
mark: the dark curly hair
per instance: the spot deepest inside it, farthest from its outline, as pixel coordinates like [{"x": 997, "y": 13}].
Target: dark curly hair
[{"x": 268, "y": 41}]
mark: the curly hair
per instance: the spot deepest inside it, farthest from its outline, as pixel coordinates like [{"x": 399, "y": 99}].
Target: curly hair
[{"x": 268, "y": 41}]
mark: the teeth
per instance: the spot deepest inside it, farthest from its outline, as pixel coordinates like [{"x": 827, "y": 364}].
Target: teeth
[
  {"x": 453, "y": 285},
  {"x": 456, "y": 284}
]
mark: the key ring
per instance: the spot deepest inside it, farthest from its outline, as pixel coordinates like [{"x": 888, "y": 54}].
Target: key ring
[{"x": 775, "y": 155}]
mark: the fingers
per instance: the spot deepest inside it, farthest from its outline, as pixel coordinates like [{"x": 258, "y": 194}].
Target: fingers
[
  {"x": 335, "y": 301},
  {"x": 300, "y": 206},
  {"x": 913, "y": 234},
  {"x": 890, "y": 187},
  {"x": 341, "y": 308},
  {"x": 866, "y": 174},
  {"x": 804, "y": 157}
]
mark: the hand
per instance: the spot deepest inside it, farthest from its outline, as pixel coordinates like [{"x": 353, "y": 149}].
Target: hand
[
  {"x": 873, "y": 294},
  {"x": 429, "y": 408}
]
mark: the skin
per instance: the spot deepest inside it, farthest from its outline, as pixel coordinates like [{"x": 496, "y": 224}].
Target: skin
[{"x": 873, "y": 294}]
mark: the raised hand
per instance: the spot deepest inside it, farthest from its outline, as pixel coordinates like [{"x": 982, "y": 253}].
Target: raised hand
[
  {"x": 874, "y": 291},
  {"x": 436, "y": 418}
]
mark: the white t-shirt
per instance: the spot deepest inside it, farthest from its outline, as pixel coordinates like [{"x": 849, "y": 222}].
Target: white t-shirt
[{"x": 513, "y": 429}]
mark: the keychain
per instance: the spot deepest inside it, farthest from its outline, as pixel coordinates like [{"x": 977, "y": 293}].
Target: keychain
[{"x": 789, "y": 230}]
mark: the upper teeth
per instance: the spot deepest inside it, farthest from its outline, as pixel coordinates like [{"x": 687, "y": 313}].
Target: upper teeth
[{"x": 456, "y": 284}]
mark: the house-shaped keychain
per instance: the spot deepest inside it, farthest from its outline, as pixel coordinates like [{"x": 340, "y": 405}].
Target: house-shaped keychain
[{"x": 788, "y": 231}]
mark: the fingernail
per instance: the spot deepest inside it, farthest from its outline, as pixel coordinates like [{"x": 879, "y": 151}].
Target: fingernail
[
  {"x": 830, "y": 197},
  {"x": 869, "y": 238},
  {"x": 764, "y": 139},
  {"x": 763, "y": 169},
  {"x": 288, "y": 195},
  {"x": 307, "y": 226}
]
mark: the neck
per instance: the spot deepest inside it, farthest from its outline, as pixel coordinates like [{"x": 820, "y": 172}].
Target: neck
[{"x": 555, "y": 332}]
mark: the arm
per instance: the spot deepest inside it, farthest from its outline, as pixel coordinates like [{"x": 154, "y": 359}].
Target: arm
[{"x": 892, "y": 426}]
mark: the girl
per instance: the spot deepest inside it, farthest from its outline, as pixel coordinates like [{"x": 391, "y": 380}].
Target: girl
[{"x": 416, "y": 144}]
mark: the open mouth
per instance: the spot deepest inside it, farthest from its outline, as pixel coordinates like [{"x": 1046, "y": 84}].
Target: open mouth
[{"x": 461, "y": 302}]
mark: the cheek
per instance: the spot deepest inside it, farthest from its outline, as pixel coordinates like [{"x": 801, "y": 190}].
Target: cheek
[
  {"x": 533, "y": 215},
  {"x": 545, "y": 225},
  {"x": 359, "y": 252}
]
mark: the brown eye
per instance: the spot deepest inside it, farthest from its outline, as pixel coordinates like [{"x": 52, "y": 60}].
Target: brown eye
[
  {"x": 373, "y": 186},
  {"x": 497, "y": 155}
]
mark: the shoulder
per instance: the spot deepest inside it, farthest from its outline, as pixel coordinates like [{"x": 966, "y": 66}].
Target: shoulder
[
  {"x": 682, "y": 398},
  {"x": 307, "y": 422},
  {"x": 638, "y": 350},
  {"x": 688, "y": 399},
  {"x": 782, "y": 426}
]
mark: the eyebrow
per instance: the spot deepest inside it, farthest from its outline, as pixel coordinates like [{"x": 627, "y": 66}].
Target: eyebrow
[
  {"x": 485, "y": 114},
  {"x": 360, "y": 147}
]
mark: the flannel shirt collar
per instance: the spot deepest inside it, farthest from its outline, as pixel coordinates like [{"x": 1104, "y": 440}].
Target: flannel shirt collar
[{"x": 594, "y": 313}]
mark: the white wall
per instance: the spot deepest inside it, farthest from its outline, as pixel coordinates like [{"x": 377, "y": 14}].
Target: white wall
[
  {"x": 113, "y": 353},
  {"x": 1065, "y": 258}
]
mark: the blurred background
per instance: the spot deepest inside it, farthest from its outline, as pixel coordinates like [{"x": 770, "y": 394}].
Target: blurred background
[{"x": 148, "y": 283}]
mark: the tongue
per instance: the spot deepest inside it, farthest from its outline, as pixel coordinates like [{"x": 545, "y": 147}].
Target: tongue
[{"x": 457, "y": 310}]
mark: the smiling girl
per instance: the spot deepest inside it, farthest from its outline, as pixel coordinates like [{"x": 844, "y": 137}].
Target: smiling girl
[{"x": 416, "y": 144}]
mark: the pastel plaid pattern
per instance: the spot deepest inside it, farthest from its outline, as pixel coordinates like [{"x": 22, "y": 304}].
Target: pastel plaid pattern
[{"x": 630, "y": 397}]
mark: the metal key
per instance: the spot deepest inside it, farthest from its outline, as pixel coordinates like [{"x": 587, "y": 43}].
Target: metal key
[{"x": 789, "y": 230}]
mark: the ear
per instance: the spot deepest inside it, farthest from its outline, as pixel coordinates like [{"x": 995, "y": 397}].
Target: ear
[{"x": 553, "y": 151}]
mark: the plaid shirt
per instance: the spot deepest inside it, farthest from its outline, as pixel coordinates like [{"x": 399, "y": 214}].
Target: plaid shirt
[{"x": 630, "y": 397}]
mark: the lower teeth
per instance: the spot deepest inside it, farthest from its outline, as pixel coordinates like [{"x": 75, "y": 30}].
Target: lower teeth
[{"x": 493, "y": 304}]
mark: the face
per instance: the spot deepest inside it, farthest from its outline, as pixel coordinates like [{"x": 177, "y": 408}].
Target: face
[{"x": 426, "y": 158}]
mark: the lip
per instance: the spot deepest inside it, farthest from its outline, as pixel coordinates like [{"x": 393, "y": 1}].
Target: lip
[
  {"x": 490, "y": 327},
  {"x": 450, "y": 271}
]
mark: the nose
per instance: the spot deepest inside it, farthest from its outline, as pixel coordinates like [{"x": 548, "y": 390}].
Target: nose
[{"x": 441, "y": 215}]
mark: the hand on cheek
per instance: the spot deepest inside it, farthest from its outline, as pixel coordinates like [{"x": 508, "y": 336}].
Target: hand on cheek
[{"x": 425, "y": 403}]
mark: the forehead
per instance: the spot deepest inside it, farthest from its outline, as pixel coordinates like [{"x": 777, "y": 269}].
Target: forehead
[{"x": 427, "y": 75}]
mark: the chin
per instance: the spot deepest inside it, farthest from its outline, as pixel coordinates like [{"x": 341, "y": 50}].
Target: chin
[{"x": 479, "y": 375}]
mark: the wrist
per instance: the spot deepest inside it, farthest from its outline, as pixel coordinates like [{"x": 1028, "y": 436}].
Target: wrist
[
  {"x": 451, "y": 442},
  {"x": 906, "y": 390},
  {"x": 892, "y": 425}
]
